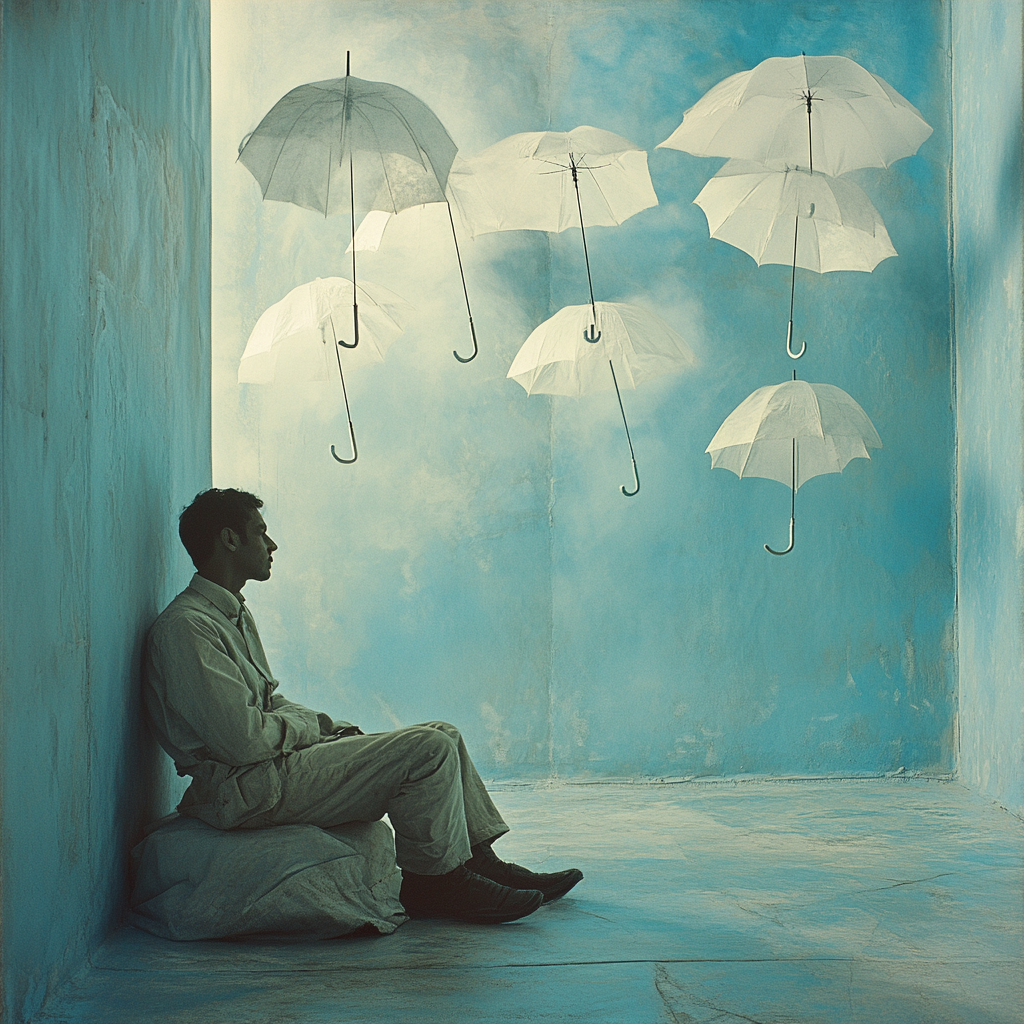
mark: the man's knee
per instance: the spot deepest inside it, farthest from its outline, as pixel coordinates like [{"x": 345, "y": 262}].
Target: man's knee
[
  {"x": 446, "y": 728},
  {"x": 432, "y": 740}
]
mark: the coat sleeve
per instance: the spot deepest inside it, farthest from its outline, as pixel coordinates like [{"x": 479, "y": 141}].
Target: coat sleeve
[
  {"x": 328, "y": 725},
  {"x": 204, "y": 694}
]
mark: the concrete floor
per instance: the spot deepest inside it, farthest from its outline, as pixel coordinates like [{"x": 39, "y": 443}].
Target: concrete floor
[{"x": 882, "y": 902}]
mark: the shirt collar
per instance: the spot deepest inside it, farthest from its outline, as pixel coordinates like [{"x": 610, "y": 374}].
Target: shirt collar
[{"x": 223, "y": 600}]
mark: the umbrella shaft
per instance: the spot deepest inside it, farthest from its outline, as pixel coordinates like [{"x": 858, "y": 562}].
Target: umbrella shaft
[
  {"x": 792, "y": 295},
  {"x": 352, "y": 219},
  {"x": 586, "y": 256},
  {"x": 810, "y": 149},
  {"x": 792, "y": 496}
]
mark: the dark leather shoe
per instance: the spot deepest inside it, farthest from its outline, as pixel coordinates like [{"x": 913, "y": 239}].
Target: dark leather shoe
[
  {"x": 553, "y": 885},
  {"x": 465, "y": 896}
]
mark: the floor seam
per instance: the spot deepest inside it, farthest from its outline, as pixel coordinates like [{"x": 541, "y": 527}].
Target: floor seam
[{"x": 345, "y": 969}]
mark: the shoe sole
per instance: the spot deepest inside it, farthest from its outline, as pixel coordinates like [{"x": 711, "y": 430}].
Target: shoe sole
[{"x": 482, "y": 916}]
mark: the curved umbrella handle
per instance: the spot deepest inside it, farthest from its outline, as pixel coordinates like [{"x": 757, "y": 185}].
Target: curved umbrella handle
[
  {"x": 593, "y": 335},
  {"x": 338, "y": 341},
  {"x": 348, "y": 411},
  {"x": 355, "y": 327},
  {"x": 772, "y": 551},
  {"x": 789, "y": 344},
  {"x": 476, "y": 347},
  {"x": 636, "y": 480},
  {"x": 355, "y": 450},
  {"x": 792, "y": 505}
]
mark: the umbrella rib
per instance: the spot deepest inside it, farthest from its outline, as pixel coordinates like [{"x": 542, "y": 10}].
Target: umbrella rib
[
  {"x": 746, "y": 458},
  {"x": 284, "y": 141},
  {"x": 409, "y": 130},
  {"x": 380, "y": 153},
  {"x": 771, "y": 227},
  {"x": 419, "y": 149},
  {"x": 817, "y": 405},
  {"x": 561, "y": 168},
  {"x": 868, "y": 133},
  {"x": 600, "y": 190},
  {"x": 327, "y": 198},
  {"x": 344, "y": 123}
]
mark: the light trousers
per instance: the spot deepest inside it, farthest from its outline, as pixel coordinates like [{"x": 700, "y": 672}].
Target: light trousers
[{"x": 421, "y": 777}]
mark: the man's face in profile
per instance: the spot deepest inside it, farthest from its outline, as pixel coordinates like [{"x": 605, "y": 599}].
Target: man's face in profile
[{"x": 255, "y": 554}]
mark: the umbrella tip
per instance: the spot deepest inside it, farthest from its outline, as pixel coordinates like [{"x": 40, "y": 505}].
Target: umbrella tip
[{"x": 348, "y": 63}]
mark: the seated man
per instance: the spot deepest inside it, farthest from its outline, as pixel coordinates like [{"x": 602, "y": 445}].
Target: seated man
[{"x": 258, "y": 760}]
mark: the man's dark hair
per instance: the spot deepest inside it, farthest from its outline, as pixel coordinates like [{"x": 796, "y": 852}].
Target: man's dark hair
[{"x": 200, "y": 523}]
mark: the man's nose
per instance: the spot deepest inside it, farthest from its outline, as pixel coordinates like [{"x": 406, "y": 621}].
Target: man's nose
[{"x": 271, "y": 546}]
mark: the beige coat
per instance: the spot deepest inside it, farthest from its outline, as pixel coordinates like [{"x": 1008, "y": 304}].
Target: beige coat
[{"x": 214, "y": 706}]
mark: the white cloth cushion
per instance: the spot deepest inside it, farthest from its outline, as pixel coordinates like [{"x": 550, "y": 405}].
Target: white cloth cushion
[{"x": 193, "y": 881}]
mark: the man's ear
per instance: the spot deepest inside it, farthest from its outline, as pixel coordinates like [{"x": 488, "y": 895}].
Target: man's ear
[{"x": 229, "y": 539}]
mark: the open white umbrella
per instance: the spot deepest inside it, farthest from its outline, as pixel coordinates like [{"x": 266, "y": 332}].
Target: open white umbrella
[
  {"x": 827, "y": 113},
  {"x": 344, "y": 143},
  {"x": 755, "y": 209},
  {"x": 762, "y": 211},
  {"x": 551, "y": 181},
  {"x": 559, "y": 357},
  {"x": 291, "y": 337},
  {"x": 792, "y": 432}
]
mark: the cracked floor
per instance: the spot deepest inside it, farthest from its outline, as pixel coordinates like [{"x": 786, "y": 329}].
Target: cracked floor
[{"x": 874, "y": 901}]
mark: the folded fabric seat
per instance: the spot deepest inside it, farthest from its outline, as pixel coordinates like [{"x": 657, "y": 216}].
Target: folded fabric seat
[{"x": 192, "y": 881}]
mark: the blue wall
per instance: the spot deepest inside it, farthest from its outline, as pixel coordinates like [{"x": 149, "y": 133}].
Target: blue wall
[
  {"x": 988, "y": 230},
  {"x": 106, "y": 332},
  {"x": 478, "y": 563}
]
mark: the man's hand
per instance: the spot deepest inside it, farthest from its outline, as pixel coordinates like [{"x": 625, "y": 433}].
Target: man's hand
[{"x": 349, "y": 730}]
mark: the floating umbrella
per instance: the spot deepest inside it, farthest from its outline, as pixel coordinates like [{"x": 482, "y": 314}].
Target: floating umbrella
[
  {"x": 290, "y": 338},
  {"x": 343, "y": 143},
  {"x": 752, "y": 207},
  {"x": 558, "y": 358},
  {"x": 523, "y": 182},
  {"x": 827, "y": 113},
  {"x": 792, "y": 432}
]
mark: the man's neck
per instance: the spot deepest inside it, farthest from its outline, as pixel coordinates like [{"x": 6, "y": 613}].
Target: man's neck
[{"x": 223, "y": 577}]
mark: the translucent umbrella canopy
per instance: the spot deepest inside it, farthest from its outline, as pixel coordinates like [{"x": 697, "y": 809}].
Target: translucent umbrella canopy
[
  {"x": 526, "y": 182},
  {"x": 792, "y": 432},
  {"x": 300, "y": 152},
  {"x": 754, "y": 208},
  {"x": 557, "y": 359},
  {"x": 293, "y": 337},
  {"x": 827, "y": 113},
  {"x": 427, "y": 221}
]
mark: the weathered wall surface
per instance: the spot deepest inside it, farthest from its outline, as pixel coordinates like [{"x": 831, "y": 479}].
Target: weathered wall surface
[
  {"x": 105, "y": 425},
  {"x": 680, "y": 646},
  {"x": 988, "y": 268},
  {"x": 478, "y": 562}
]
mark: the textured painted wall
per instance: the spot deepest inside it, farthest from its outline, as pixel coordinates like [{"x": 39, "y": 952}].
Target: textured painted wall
[
  {"x": 105, "y": 373},
  {"x": 478, "y": 563},
  {"x": 988, "y": 229}
]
